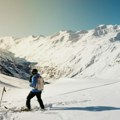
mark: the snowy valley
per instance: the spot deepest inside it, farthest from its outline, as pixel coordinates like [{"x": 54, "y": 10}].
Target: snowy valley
[{"x": 81, "y": 54}]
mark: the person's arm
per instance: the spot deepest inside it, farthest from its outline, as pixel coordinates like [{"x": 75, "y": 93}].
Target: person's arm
[
  {"x": 30, "y": 80},
  {"x": 33, "y": 83}
]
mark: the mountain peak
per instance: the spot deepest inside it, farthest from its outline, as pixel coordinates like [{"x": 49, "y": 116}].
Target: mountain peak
[{"x": 105, "y": 29}]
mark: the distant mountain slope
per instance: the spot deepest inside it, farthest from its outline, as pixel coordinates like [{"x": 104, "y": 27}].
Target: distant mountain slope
[
  {"x": 13, "y": 66},
  {"x": 85, "y": 53}
]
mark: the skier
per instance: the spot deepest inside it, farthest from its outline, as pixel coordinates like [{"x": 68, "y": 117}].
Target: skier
[{"x": 37, "y": 83}]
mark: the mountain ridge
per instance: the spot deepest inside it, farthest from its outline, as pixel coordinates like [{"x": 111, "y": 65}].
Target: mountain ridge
[{"x": 85, "y": 53}]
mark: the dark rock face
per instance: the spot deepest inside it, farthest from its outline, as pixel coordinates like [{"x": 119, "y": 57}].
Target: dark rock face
[{"x": 12, "y": 66}]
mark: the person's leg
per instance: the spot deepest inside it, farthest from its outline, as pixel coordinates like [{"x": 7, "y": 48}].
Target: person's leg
[
  {"x": 38, "y": 95},
  {"x": 29, "y": 97}
]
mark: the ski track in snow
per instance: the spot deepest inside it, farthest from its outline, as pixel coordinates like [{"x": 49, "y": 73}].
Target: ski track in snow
[{"x": 93, "y": 87}]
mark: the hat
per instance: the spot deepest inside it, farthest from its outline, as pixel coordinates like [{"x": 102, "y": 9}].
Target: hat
[{"x": 34, "y": 71}]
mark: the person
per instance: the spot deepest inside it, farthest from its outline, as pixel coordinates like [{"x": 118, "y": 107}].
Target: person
[{"x": 37, "y": 83}]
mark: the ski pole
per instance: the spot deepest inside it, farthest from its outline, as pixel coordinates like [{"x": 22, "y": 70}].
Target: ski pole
[{"x": 4, "y": 90}]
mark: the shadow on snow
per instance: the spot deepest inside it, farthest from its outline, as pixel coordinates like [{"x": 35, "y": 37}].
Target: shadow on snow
[{"x": 92, "y": 108}]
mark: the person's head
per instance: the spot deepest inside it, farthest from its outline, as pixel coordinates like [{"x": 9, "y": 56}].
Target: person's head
[{"x": 34, "y": 71}]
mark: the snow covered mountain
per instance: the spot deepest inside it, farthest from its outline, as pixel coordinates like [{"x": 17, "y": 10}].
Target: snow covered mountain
[{"x": 81, "y": 54}]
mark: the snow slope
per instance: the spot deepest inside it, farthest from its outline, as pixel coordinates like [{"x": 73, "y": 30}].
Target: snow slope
[
  {"x": 88, "y": 99},
  {"x": 81, "y": 54}
]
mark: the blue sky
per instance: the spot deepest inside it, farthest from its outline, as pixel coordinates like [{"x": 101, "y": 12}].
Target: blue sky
[{"x": 34, "y": 17}]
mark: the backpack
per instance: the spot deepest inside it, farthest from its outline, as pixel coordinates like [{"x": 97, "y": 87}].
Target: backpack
[{"x": 40, "y": 83}]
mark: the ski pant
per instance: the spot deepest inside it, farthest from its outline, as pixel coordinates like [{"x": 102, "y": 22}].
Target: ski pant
[{"x": 31, "y": 95}]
